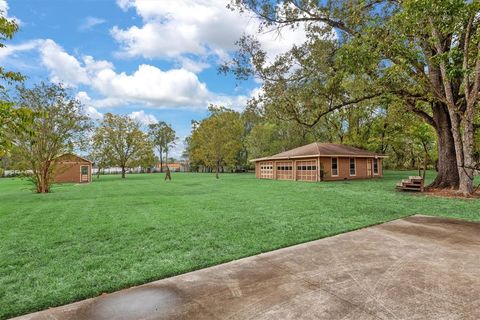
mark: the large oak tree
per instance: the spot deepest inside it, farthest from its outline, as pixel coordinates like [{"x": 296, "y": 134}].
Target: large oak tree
[{"x": 422, "y": 53}]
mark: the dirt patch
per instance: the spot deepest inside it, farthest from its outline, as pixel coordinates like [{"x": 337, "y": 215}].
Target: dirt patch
[{"x": 450, "y": 193}]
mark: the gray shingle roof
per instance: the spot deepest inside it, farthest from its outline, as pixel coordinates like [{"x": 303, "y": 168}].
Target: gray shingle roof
[{"x": 322, "y": 149}]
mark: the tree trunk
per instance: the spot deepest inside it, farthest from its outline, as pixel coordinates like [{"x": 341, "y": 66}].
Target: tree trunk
[
  {"x": 167, "y": 175},
  {"x": 463, "y": 153},
  {"x": 467, "y": 171},
  {"x": 161, "y": 159},
  {"x": 123, "y": 172},
  {"x": 43, "y": 180},
  {"x": 216, "y": 171},
  {"x": 447, "y": 175}
]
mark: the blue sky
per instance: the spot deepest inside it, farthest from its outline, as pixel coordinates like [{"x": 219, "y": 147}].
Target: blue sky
[{"x": 151, "y": 59}]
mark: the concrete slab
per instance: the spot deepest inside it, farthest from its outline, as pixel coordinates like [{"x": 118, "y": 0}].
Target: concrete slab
[{"x": 414, "y": 268}]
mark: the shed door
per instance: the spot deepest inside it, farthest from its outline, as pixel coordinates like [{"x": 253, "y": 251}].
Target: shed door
[
  {"x": 84, "y": 176},
  {"x": 369, "y": 168}
]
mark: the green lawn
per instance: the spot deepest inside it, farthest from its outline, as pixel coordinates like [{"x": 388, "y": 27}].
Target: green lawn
[{"x": 82, "y": 240}]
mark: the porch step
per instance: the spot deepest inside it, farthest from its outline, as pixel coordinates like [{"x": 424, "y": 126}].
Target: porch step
[{"x": 413, "y": 183}]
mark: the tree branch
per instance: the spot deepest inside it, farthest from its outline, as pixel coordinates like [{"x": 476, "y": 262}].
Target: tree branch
[{"x": 422, "y": 114}]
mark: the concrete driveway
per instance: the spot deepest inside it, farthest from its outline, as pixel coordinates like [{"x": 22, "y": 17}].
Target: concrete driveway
[{"x": 414, "y": 268}]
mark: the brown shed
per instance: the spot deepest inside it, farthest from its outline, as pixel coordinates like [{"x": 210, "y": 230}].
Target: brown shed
[
  {"x": 320, "y": 161},
  {"x": 72, "y": 168}
]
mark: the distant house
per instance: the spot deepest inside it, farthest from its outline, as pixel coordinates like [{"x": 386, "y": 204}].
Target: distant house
[
  {"x": 174, "y": 166},
  {"x": 72, "y": 168},
  {"x": 320, "y": 161}
]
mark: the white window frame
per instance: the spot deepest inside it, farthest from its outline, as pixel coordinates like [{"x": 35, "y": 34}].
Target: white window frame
[
  {"x": 331, "y": 167},
  {"x": 378, "y": 167},
  {"x": 354, "y": 166}
]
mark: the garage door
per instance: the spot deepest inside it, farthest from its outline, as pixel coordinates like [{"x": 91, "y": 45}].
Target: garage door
[
  {"x": 284, "y": 170},
  {"x": 307, "y": 170},
  {"x": 266, "y": 170}
]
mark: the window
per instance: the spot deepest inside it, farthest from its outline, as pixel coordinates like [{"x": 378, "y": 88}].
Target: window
[
  {"x": 84, "y": 170},
  {"x": 375, "y": 166},
  {"x": 334, "y": 166},
  {"x": 353, "y": 170}
]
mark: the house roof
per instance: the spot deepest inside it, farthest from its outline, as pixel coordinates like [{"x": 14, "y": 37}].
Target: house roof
[{"x": 317, "y": 149}]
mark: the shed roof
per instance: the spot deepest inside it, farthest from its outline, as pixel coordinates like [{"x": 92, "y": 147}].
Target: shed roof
[
  {"x": 65, "y": 157},
  {"x": 317, "y": 149}
]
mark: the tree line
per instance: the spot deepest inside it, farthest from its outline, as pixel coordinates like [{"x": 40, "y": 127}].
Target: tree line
[
  {"x": 57, "y": 124},
  {"x": 401, "y": 78},
  {"x": 226, "y": 140}
]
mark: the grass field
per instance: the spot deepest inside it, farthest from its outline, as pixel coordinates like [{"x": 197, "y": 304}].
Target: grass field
[{"x": 82, "y": 240}]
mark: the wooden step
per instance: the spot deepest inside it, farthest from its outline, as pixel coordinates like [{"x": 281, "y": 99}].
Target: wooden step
[
  {"x": 413, "y": 183},
  {"x": 412, "y": 189}
]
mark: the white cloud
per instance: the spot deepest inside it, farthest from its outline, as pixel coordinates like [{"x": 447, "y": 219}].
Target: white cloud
[
  {"x": 152, "y": 86},
  {"x": 93, "y": 113},
  {"x": 148, "y": 85},
  {"x": 200, "y": 27},
  {"x": 62, "y": 66},
  {"x": 143, "y": 118},
  {"x": 84, "y": 98},
  {"x": 90, "y": 22},
  {"x": 192, "y": 65},
  {"x": 237, "y": 102},
  {"x": 4, "y": 9},
  {"x": 13, "y": 49}
]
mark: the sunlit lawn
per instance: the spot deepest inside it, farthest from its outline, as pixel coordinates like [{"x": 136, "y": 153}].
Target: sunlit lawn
[{"x": 82, "y": 240}]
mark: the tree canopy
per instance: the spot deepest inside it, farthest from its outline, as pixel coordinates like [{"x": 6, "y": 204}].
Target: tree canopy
[
  {"x": 119, "y": 141},
  {"x": 59, "y": 126},
  {"x": 217, "y": 140},
  {"x": 162, "y": 137},
  {"x": 12, "y": 118},
  {"x": 423, "y": 55}
]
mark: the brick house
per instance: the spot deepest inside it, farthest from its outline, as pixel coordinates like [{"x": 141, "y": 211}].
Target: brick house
[
  {"x": 72, "y": 168},
  {"x": 320, "y": 162}
]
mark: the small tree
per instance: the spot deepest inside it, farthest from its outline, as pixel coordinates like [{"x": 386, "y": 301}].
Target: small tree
[
  {"x": 100, "y": 154},
  {"x": 218, "y": 139},
  {"x": 156, "y": 135},
  {"x": 59, "y": 126},
  {"x": 162, "y": 136},
  {"x": 169, "y": 139},
  {"x": 119, "y": 141}
]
